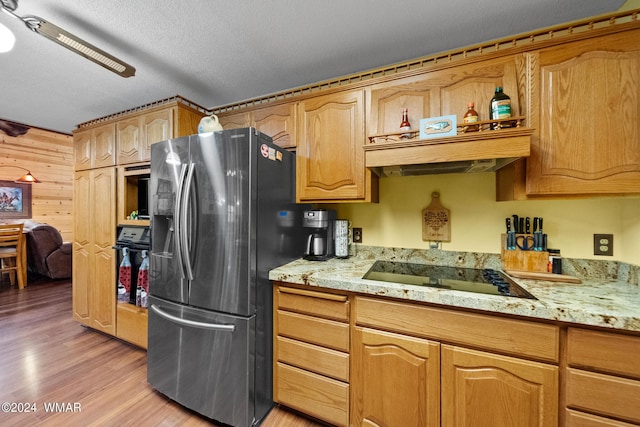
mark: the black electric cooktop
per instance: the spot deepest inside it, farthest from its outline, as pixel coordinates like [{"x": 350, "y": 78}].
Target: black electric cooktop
[{"x": 484, "y": 281}]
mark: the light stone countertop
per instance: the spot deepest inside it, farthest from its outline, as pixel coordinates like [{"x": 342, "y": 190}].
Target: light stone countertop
[{"x": 609, "y": 295}]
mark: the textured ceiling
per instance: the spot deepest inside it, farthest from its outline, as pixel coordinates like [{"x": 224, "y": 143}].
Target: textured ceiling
[{"x": 218, "y": 52}]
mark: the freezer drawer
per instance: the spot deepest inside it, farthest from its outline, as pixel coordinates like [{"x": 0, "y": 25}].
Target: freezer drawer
[{"x": 203, "y": 360}]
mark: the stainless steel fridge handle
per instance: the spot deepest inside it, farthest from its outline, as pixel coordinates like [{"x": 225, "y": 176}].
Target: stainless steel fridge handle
[
  {"x": 178, "y": 219},
  {"x": 192, "y": 323},
  {"x": 184, "y": 216}
]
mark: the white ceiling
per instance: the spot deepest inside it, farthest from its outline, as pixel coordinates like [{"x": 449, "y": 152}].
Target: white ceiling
[{"x": 218, "y": 52}]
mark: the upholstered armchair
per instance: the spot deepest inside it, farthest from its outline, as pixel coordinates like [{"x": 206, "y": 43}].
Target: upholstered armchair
[{"x": 47, "y": 254}]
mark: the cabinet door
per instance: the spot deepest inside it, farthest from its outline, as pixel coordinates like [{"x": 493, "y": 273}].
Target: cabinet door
[
  {"x": 157, "y": 126},
  {"x": 417, "y": 94},
  {"x": 103, "y": 149},
  {"x": 395, "y": 380},
  {"x": 102, "y": 293},
  {"x": 82, "y": 246},
  {"x": 278, "y": 122},
  {"x": 129, "y": 140},
  {"x": 82, "y": 149},
  {"x": 234, "y": 121},
  {"x": 330, "y": 156},
  {"x": 94, "y": 148},
  {"x": 588, "y": 132},
  {"x": 136, "y": 134},
  {"x": 482, "y": 389}
]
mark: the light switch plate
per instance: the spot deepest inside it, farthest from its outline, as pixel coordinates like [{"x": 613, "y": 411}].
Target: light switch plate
[{"x": 603, "y": 244}]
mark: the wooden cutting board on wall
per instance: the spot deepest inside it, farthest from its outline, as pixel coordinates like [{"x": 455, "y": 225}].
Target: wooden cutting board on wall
[{"x": 436, "y": 221}]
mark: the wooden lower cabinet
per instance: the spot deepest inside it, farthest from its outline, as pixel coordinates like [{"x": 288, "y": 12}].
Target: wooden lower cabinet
[
  {"x": 132, "y": 324},
  {"x": 395, "y": 380},
  {"x": 485, "y": 389},
  {"x": 94, "y": 201},
  {"x": 603, "y": 377},
  {"x": 316, "y": 395},
  {"x": 350, "y": 359},
  {"x": 311, "y": 353},
  {"x": 581, "y": 419}
]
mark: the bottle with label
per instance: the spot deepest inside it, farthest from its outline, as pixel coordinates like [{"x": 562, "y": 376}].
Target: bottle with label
[
  {"x": 124, "y": 277},
  {"x": 471, "y": 116},
  {"x": 404, "y": 124},
  {"x": 499, "y": 108}
]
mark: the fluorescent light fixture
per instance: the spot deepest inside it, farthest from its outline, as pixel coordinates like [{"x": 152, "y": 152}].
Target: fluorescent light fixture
[
  {"x": 7, "y": 39},
  {"x": 79, "y": 46},
  {"x": 68, "y": 40}
]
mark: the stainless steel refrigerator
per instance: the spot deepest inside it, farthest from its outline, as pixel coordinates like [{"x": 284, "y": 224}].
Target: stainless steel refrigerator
[{"x": 223, "y": 214}]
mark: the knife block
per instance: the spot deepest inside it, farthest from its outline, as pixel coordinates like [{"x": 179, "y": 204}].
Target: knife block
[{"x": 523, "y": 260}]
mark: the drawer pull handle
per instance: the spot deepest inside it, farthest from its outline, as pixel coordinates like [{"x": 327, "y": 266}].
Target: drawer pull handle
[{"x": 313, "y": 294}]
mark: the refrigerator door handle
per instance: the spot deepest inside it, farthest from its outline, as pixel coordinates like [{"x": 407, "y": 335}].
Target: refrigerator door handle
[
  {"x": 178, "y": 219},
  {"x": 184, "y": 216},
  {"x": 192, "y": 323}
]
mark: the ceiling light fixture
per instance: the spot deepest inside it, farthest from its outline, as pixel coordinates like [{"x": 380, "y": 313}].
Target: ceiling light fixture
[
  {"x": 7, "y": 39},
  {"x": 24, "y": 179},
  {"x": 70, "y": 41}
]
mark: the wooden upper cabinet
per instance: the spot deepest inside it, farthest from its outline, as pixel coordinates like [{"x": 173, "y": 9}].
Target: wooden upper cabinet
[
  {"x": 330, "y": 156},
  {"x": 234, "y": 120},
  {"x": 417, "y": 94},
  {"x": 82, "y": 149},
  {"x": 279, "y": 122},
  {"x": 587, "y": 102},
  {"x": 445, "y": 92},
  {"x": 95, "y": 148},
  {"x": 129, "y": 140},
  {"x": 136, "y": 134}
]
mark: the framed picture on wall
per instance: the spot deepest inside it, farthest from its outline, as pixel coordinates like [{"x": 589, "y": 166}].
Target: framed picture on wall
[{"x": 15, "y": 200}]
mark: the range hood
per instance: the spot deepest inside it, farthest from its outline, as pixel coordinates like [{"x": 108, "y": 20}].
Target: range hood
[{"x": 485, "y": 151}]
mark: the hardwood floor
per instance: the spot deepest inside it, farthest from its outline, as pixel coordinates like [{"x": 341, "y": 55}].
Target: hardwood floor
[{"x": 47, "y": 358}]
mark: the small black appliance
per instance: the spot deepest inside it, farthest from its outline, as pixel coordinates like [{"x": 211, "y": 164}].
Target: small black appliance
[{"x": 320, "y": 224}]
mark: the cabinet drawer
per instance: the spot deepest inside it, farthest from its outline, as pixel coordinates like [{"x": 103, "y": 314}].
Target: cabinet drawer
[
  {"x": 327, "y": 333},
  {"x": 603, "y": 394},
  {"x": 131, "y": 324},
  {"x": 580, "y": 419},
  {"x": 312, "y": 394},
  {"x": 512, "y": 336},
  {"x": 320, "y": 360},
  {"x": 604, "y": 351},
  {"x": 323, "y": 304}
]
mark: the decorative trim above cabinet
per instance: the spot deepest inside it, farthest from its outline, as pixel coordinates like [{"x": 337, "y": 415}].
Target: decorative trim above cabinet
[{"x": 518, "y": 43}]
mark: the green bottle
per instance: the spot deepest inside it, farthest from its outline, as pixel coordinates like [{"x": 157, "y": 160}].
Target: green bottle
[{"x": 499, "y": 108}]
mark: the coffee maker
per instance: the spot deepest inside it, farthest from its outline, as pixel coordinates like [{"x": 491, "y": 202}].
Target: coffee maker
[{"x": 321, "y": 239}]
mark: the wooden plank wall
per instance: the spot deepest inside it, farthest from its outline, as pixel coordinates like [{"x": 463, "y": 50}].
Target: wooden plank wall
[{"x": 49, "y": 157}]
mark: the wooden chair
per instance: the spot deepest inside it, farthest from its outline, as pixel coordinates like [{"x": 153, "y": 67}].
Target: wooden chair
[{"x": 11, "y": 247}]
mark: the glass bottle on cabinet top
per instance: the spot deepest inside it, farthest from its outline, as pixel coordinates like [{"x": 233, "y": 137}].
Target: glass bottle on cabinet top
[
  {"x": 404, "y": 124},
  {"x": 499, "y": 108},
  {"x": 471, "y": 116}
]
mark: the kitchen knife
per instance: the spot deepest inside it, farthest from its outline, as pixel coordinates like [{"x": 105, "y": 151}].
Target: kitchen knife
[
  {"x": 516, "y": 222},
  {"x": 537, "y": 235},
  {"x": 511, "y": 237},
  {"x": 527, "y": 225},
  {"x": 542, "y": 239},
  {"x": 521, "y": 226}
]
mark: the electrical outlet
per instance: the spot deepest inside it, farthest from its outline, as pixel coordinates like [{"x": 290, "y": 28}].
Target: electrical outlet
[
  {"x": 357, "y": 235},
  {"x": 603, "y": 244}
]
